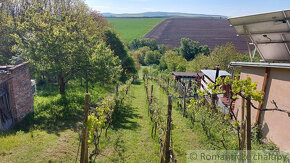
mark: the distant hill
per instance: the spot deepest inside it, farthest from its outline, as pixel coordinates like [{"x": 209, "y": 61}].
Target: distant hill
[{"x": 159, "y": 14}]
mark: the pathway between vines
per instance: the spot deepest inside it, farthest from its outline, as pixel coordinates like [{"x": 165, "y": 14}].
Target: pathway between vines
[
  {"x": 184, "y": 138},
  {"x": 130, "y": 137}
]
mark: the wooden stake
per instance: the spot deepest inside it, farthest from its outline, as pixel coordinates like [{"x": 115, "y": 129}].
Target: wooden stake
[
  {"x": 84, "y": 149},
  {"x": 184, "y": 101},
  {"x": 151, "y": 98},
  {"x": 117, "y": 97},
  {"x": 243, "y": 125},
  {"x": 264, "y": 86},
  {"x": 165, "y": 158},
  {"x": 248, "y": 118}
]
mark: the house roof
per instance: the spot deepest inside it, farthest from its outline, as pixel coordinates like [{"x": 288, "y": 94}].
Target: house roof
[
  {"x": 211, "y": 74},
  {"x": 270, "y": 33},
  {"x": 187, "y": 74},
  {"x": 255, "y": 64}
]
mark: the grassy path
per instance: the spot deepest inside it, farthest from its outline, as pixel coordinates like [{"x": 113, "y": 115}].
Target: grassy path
[
  {"x": 130, "y": 140},
  {"x": 183, "y": 137}
]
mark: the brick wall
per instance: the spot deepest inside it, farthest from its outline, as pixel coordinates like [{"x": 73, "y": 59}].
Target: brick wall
[{"x": 19, "y": 84}]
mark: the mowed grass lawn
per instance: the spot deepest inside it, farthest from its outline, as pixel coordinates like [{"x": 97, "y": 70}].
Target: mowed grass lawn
[{"x": 130, "y": 28}]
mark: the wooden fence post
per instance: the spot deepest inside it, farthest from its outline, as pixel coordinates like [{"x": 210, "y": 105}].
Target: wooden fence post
[
  {"x": 243, "y": 125},
  {"x": 117, "y": 97},
  {"x": 84, "y": 149},
  {"x": 165, "y": 157},
  {"x": 184, "y": 101},
  {"x": 151, "y": 98},
  {"x": 167, "y": 89},
  {"x": 248, "y": 118}
]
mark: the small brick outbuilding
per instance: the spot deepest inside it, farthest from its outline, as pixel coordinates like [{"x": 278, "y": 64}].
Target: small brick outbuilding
[{"x": 16, "y": 98}]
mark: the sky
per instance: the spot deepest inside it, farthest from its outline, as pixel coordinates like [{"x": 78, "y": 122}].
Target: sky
[{"x": 230, "y": 8}]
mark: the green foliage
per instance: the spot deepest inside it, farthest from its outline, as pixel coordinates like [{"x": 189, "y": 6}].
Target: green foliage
[
  {"x": 140, "y": 54},
  {"x": 105, "y": 67},
  {"x": 6, "y": 41},
  {"x": 138, "y": 43},
  {"x": 131, "y": 28},
  {"x": 172, "y": 61},
  {"x": 221, "y": 55},
  {"x": 97, "y": 120},
  {"x": 102, "y": 117},
  {"x": 215, "y": 123},
  {"x": 224, "y": 55},
  {"x": 145, "y": 72},
  {"x": 116, "y": 45},
  {"x": 17, "y": 59},
  {"x": 214, "y": 127},
  {"x": 152, "y": 57},
  {"x": 60, "y": 42},
  {"x": 189, "y": 48}
]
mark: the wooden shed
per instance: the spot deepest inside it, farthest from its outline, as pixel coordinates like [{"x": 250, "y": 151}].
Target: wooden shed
[{"x": 187, "y": 76}]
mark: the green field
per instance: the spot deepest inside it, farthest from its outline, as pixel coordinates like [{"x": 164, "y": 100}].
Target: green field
[{"x": 130, "y": 28}]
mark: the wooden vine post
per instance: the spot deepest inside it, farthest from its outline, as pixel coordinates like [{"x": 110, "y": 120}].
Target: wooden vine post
[
  {"x": 84, "y": 147},
  {"x": 117, "y": 96},
  {"x": 184, "y": 101},
  {"x": 248, "y": 124},
  {"x": 243, "y": 125},
  {"x": 165, "y": 158},
  {"x": 167, "y": 89},
  {"x": 151, "y": 98}
]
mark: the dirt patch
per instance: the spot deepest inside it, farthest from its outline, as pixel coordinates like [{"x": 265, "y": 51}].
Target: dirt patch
[{"x": 208, "y": 31}]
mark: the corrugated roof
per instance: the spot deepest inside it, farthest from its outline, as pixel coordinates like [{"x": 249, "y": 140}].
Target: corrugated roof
[
  {"x": 211, "y": 73},
  {"x": 270, "y": 33},
  {"x": 187, "y": 74}
]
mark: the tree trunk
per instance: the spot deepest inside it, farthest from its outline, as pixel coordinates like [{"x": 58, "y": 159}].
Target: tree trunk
[{"x": 61, "y": 84}]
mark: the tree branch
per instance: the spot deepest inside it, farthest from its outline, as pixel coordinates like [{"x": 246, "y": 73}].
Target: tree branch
[{"x": 273, "y": 102}]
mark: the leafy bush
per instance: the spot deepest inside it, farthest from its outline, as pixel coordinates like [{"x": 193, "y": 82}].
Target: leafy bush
[
  {"x": 189, "y": 48},
  {"x": 139, "y": 43},
  {"x": 172, "y": 61}
]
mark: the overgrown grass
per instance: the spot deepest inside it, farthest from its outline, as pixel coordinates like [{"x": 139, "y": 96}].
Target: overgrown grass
[
  {"x": 130, "y": 28},
  {"x": 51, "y": 133}
]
